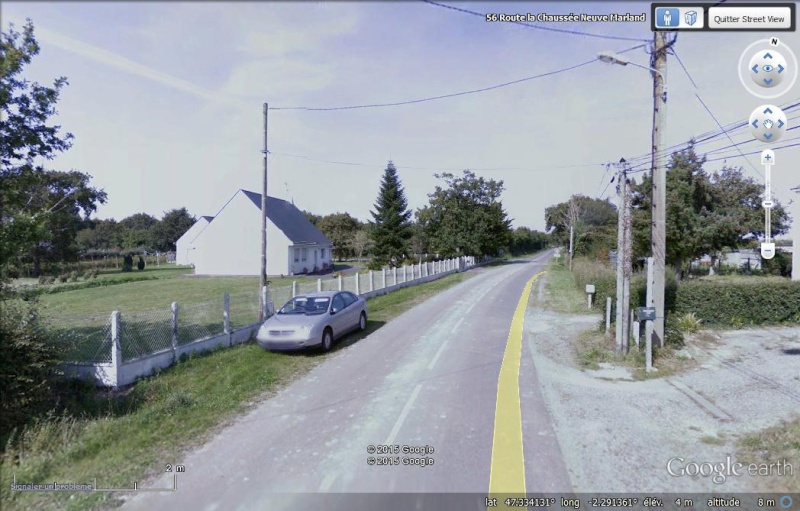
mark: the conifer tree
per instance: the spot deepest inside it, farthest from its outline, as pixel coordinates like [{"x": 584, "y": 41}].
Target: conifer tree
[{"x": 390, "y": 229}]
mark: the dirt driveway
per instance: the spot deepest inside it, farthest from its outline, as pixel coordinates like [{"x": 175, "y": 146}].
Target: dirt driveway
[{"x": 619, "y": 435}]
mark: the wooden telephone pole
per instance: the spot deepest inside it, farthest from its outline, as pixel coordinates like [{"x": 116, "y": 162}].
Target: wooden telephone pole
[
  {"x": 262, "y": 310},
  {"x": 658, "y": 234},
  {"x": 624, "y": 248}
]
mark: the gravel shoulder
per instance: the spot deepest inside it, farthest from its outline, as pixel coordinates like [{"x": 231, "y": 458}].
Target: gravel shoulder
[{"x": 618, "y": 435}]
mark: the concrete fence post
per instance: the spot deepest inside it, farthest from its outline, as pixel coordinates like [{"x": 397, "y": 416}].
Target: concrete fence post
[
  {"x": 608, "y": 315},
  {"x": 383, "y": 277},
  {"x": 394, "y": 276},
  {"x": 294, "y": 288},
  {"x": 404, "y": 273},
  {"x": 340, "y": 282},
  {"x": 319, "y": 285},
  {"x": 420, "y": 269},
  {"x": 116, "y": 346},
  {"x": 226, "y": 314},
  {"x": 358, "y": 290},
  {"x": 264, "y": 300},
  {"x": 175, "y": 329},
  {"x": 371, "y": 282}
]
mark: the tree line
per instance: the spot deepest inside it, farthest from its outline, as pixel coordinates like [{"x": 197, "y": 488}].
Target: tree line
[{"x": 707, "y": 213}]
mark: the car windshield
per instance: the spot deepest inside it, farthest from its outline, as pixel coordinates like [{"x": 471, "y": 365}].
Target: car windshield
[{"x": 306, "y": 305}]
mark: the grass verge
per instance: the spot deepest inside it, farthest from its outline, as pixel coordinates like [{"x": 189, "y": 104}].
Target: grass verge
[
  {"x": 593, "y": 347},
  {"x": 125, "y": 436},
  {"x": 778, "y": 446},
  {"x": 561, "y": 293}
]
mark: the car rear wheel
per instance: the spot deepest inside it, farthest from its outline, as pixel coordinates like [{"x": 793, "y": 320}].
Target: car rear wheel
[
  {"x": 327, "y": 340},
  {"x": 362, "y": 322}
]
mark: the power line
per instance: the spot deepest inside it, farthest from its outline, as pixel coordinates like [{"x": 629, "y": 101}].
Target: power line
[
  {"x": 454, "y": 169},
  {"x": 444, "y": 96},
  {"x": 539, "y": 27},
  {"x": 707, "y": 109}
]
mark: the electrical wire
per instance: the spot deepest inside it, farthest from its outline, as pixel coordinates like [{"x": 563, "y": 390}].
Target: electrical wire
[
  {"x": 539, "y": 27},
  {"x": 434, "y": 98}
]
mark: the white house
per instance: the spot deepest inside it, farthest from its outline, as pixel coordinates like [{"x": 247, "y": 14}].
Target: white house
[
  {"x": 231, "y": 242},
  {"x": 184, "y": 247}
]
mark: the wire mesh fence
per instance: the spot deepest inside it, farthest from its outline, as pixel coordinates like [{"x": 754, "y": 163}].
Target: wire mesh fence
[
  {"x": 81, "y": 339},
  {"x": 145, "y": 332},
  {"x": 244, "y": 309},
  {"x": 200, "y": 320},
  {"x": 87, "y": 338}
]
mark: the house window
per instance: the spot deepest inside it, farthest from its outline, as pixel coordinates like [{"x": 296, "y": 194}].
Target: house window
[
  {"x": 322, "y": 253},
  {"x": 296, "y": 255},
  {"x": 305, "y": 254}
]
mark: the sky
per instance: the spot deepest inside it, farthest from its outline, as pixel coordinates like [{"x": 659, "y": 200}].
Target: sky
[{"x": 165, "y": 100}]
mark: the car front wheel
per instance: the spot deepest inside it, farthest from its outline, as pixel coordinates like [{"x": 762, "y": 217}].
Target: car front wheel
[
  {"x": 362, "y": 322},
  {"x": 327, "y": 340}
]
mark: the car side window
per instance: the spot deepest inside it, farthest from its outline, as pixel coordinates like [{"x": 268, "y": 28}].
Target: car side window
[
  {"x": 338, "y": 303},
  {"x": 349, "y": 299}
]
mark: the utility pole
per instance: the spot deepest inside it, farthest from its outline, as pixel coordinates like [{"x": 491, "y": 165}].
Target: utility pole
[
  {"x": 620, "y": 316},
  {"x": 796, "y": 235},
  {"x": 627, "y": 268},
  {"x": 263, "y": 274},
  {"x": 571, "y": 228},
  {"x": 658, "y": 233}
]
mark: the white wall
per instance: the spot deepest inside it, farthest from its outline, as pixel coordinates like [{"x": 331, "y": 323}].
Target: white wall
[
  {"x": 311, "y": 250},
  {"x": 231, "y": 244},
  {"x": 183, "y": 247}
]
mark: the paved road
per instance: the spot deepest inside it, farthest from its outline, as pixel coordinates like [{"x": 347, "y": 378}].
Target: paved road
[{"x": 431, "y": 377}]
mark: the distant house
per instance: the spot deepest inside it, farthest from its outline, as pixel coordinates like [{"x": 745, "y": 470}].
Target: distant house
[
  {"x": 230, "y": 243},
  {"x": 185, "y": 245},
  {"x": 744, "y": 258}
]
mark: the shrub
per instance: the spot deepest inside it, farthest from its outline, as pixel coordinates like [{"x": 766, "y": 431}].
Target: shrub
[
  {"x": 63, "y": 278},
  {"x": 140, "y": 264},
  {"x": 73, "y": 276},
  {"x": 50, "y": 280},
  {"x": 42, "y": 279},
  {"x": 27, "y": 361},
  {"x": 740, "y": 303},
  {"x": 689, "y": 323},
  {"x": 673, "y": 336},
  {"x": 127, "y": 263}
]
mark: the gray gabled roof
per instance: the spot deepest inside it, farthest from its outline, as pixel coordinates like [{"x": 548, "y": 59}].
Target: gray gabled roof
[{"x": 290, "y": 220}]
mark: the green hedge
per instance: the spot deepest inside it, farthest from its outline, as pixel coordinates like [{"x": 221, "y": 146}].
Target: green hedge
[
  {"x": 721, "y": 303},
  {"x": 740, "y": 304},
  {"x": 28, "y": 292}
]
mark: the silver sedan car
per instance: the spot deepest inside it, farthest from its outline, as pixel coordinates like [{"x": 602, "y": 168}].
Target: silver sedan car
[{"x": 314, "y": 319}]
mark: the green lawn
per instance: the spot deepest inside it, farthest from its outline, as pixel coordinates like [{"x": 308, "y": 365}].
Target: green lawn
[
  {"x": 80, "y": 318},
  {"x": 127, "y": 436}
]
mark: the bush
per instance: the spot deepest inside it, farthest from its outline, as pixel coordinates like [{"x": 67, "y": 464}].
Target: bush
[
  {"x": 63, "y": 278},
  {"x": 689, "y": 323},
  {"x": 127, "y": 263},
  {"x": 73, "y": 276},
  {"x": 600, "y": 275},
  {"x": 50, "y": 280},
  {"x": 740, "y": 303},
  {"x": 27, "y": 361},
  {"x": 673, "y": 336},
  {"x": 140, "y": 264},
  {"x": 42, "y": 279}
]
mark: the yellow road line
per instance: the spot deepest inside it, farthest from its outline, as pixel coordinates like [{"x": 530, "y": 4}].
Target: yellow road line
[{"x": 507, "y": 472}]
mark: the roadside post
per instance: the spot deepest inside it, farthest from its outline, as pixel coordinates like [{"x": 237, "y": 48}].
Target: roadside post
[
  {"x": 589, "y": 293},
  {"x": 649, "y": 326},
  {"x": 608, "y": 315}
]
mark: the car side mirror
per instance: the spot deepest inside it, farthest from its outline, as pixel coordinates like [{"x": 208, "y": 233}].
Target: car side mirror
[{"x": 333, "y": 311}]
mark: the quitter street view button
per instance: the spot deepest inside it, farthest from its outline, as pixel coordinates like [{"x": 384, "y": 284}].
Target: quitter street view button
[{"x": 749, "y": 18}]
